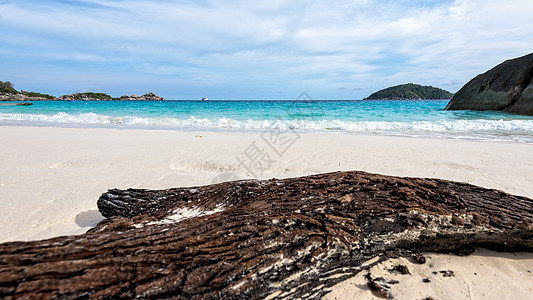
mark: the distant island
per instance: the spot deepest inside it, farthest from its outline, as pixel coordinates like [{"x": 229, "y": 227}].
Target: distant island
[
  {"x": 410, "y": 91},
  {"x": 9, "y": 93},
  {"x": 105, "y": 97}
]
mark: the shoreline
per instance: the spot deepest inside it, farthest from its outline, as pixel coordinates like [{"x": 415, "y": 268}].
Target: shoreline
[
  {"x": 394, "y": 118},
  {"x": 52, "y": 176},
  {"x": 173, "y": 128}
]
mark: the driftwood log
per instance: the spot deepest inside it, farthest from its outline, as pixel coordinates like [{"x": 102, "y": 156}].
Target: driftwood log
[{"x": 254, "y": 239}]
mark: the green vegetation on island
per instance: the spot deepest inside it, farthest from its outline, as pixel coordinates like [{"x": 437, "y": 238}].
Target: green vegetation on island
[
  {"x": 410, "y": 91},
  {"x": 90, "y": 95},
  {"x": 38, "y": 95},
  {"x": 7, "y": 89},
  {"x": 9, "y": 93}
]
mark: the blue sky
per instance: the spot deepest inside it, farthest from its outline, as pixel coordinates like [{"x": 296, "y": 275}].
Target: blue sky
[{"x": 255, "y": 49}]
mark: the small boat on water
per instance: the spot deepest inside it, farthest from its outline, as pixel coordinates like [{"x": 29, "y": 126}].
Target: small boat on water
[{"x": 204, "y": 99}]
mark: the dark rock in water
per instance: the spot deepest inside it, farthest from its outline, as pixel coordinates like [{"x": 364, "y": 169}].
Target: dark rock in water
[
  {"x": 285, "y": 238},
  {"x": 16, "y": 104},
  {"x": 507, "y": 87}
]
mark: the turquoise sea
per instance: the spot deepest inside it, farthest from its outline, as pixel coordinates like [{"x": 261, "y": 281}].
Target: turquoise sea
[{"x": 422, "y": 118}]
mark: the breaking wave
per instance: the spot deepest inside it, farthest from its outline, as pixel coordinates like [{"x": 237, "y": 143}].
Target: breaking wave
[{"x": 503, "y": 130}]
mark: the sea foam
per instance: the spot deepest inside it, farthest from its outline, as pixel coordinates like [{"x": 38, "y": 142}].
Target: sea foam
[{"x": 520, "y": 130}]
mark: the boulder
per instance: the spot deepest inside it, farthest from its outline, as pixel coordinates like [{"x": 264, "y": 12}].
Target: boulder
[
  {"x": 152, "y": 97},
  {"x": 279, "y": 238},
  {"x": 507, "y": 87}
]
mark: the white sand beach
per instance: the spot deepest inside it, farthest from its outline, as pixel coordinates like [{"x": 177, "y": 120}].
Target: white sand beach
[
  {"x": 51, "y": 178},
  {"x": 483, "y": 275}
]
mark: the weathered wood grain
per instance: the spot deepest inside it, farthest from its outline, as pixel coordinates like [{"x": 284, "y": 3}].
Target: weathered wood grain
[{"x": 250, "y": 239}]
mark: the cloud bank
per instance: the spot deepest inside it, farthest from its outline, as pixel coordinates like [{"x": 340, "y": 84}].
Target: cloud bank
[{"x": 247, "y": 50}]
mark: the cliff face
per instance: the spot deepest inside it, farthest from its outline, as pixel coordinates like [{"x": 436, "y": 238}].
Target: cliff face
[{"x": 507, "y": 87}]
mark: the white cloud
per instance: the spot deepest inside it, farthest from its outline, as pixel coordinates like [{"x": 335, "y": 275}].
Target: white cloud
[{"x": 315, "y": 45}]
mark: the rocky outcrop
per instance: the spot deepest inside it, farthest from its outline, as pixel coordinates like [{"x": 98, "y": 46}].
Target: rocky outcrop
[
  {"x": 21, "y": 97},
  {"x": 8, "y": 93},
  {"x": 89, "y": 96},
  {"x": 284, "y": 238},
  {"x": 507, "y": 87},
  {"x": 146, "y": 97},
  {"x": 14, "y": 97}
]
